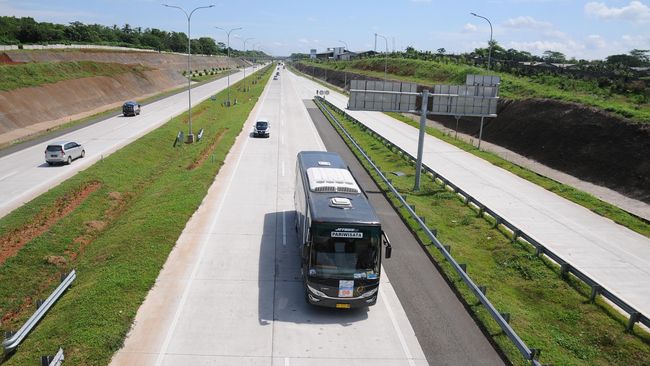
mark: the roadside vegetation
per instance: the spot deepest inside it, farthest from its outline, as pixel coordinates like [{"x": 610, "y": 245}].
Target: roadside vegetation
[
  {"x": 129, "y": 210},
  {"x": 40, "y": 73},
  {"x": 633, "y": 105},
  {"x": 548, "y": 312}
]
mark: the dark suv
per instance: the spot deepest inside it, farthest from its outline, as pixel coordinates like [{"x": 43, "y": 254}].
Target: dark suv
[
  {"x": 130, "y": 109},
  {"x": 262, "y": 128}
]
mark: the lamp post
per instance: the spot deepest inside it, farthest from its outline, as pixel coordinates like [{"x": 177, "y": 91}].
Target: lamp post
[
  {"x": 228, "y": 33},
  {"x": 386, "y": 60},
  {"x": 246, "y": 40},
  {"x": 190, "y": 135},
  {"x": 490, "y": 48},
  {"x": 345, "y": 83}
]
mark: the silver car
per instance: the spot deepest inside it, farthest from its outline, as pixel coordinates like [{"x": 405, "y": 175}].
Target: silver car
[{"x": 63, "y": 152}]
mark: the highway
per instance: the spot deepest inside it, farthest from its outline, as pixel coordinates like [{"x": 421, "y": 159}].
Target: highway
[
  {"x": 231, "y": 293},
  {"x": 614, "y": 256},
  {"x": 24, "y": 174}
]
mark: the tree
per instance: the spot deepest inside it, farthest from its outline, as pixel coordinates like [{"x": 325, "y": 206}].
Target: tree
[
  {"x": 441, "y": 51},
  {"x": 642, "y": 56},
  {"x": 554, "y": 57},
  {"x": 624, "y": 60}
]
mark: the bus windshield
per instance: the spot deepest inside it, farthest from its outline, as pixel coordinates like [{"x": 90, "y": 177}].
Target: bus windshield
[{"x": 345, "y": 252}]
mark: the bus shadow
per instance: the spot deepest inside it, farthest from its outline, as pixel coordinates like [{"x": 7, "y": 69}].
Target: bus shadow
[{"x": 279, "y": 245}]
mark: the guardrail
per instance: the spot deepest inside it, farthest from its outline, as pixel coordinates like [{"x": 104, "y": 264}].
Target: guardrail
[
  {"x": 55, "y": 360},
  {"x": 635, "y": 316},
  {"x": 528, "y": 353},
  {"x": 12, "y": 342}
]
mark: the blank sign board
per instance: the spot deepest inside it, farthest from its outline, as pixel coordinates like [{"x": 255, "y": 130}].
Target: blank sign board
[
  {"x": 377, "y": 95},
  {"x": 464, "y": 100}
]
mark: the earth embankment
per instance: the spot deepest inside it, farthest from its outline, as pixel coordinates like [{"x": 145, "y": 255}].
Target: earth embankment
[
  {"x": 585, "y": 142},
  {"x": 29, "y": 110}
]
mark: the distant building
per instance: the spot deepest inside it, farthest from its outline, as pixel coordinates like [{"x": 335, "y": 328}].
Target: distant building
[
  {"x": 312, "y": 53},
  {"x": 334, "y": 53}
]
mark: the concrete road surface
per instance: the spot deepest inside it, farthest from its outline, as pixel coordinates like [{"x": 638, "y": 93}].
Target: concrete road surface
[
  {"x": 24, "y": 174},
  {"x": 614, "y": 256}
]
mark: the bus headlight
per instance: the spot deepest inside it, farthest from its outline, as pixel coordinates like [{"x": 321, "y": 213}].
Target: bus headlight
[
  {"x": 316, "y": 292},
  {"x": 370, "y": 293}
]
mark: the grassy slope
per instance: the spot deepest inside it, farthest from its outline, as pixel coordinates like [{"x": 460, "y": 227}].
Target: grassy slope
[
  {"x": 39, "y": 73},
  {"x": 512, "y": 87},
  {"x": 120, "y": 263},
  {"x": 547, "y": 312}
]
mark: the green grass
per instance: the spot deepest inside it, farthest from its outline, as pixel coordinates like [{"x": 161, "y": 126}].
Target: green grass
[
  {"x": 39, "y": 73},
  {"x": 512, "y": 87},
  {"x": 119, "y": 263},
  {"x": 548, "y": 313},
  {"x": 584, "y": 199}
]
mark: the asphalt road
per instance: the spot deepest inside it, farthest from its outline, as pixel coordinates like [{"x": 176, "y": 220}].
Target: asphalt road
[
  {"x": 447, "y": 333},
  {"x": 231, "y": 293},
  {"x": 614, "y": 256},
  {"x": 24, "y": 174}
]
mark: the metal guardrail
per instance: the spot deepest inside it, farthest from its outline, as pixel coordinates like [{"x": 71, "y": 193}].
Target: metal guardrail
[
  {"x": 528, "y": 353},
  {"x": 635, "y": 316},
  {"x": 55, "y": 360},
  {"x": 11, "y": 343}
]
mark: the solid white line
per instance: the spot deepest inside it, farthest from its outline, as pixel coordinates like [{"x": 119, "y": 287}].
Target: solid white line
[
  {"x": 286, "y": 361},
  {"x": 402, "y": 340},
  {"x": 284, "y": 230},
  {"x": 282, "y": 168},
  {"x": 12, "y": 173},
  {"x": 203, "y": 245}
]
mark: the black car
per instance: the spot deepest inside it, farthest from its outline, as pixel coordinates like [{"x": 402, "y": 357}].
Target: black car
[{"x": 130, "y": 109}]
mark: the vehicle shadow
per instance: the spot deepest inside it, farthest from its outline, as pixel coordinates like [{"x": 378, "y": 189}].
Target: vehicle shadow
[{"x": 279, "y": 245}]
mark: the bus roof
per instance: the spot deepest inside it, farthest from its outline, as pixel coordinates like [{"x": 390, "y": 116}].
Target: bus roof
[{"x": 322, "y": 209}]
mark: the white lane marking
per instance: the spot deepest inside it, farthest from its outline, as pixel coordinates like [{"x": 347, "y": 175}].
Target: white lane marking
[
  {"x": 282, "y": 139},
  {"x": 282, "y": 168},
  {"x": 284, "y": 230},
  {"x": 286, "y": 361},
  {"x": 203, "y": 245},
  {"x": 402, "y": 340},
  {"x": 12, "y": 173}
]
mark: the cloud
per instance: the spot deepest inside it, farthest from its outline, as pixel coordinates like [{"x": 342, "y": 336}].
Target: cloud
[
  {"x": 526, "y": 22},
  {"x": 636, "y": 41},
  {"x": 553, "y": 33},
  {"x": 469, "y": 27},
  {"x": 595, "y": 41},
  {"x": 538, "y": 47},
  {"x": 634, "y": 12},
  {"x": 44, "y": 15}
]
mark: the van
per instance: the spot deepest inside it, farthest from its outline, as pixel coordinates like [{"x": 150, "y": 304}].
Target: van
[
  {"x": 63, "y": 152},
  {"x": 130, "y": 109}
]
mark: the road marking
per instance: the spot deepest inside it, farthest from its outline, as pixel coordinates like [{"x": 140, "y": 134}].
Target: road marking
[
  {"x": 282, "y": 168},
  {"x": 286, "y": 361},
  {"x": 282, "y": 139},
  {"x": 12, "y": 173},
  {"x": 284, "y": 230},
  {"x": 402, "y": 341}
]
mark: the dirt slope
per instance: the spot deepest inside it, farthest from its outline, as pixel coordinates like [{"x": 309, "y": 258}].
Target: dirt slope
[{"x": 26, "y": 111}]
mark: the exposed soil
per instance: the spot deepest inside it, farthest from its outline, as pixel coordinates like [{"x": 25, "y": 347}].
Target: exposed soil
[
  {"x": 13, "y": 241},
  {"x": 207, "y": 151},
  {"x": 587, "y": 143}
]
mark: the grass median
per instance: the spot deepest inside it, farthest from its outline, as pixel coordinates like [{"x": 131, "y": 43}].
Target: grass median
[
  {"x": 115, "y": 223},
  {"x": 547, "y": 312}
]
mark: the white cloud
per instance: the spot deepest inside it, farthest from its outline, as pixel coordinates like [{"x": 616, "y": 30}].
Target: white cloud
[
  {"x": 526, "y": 22},
  {"x": 553, "y": 33},
  {"x": 569, "y": 48},
  {"x": 595, "y": 41},
  {"x": 636, "y": 11},
  {"x": 469, "y": 27},
  {"x": 636, "y": 41},
  {"x": 6, "y": 8}
]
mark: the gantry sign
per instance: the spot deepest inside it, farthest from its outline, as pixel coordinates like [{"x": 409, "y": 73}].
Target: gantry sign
[{"x": 477, "y": 98}]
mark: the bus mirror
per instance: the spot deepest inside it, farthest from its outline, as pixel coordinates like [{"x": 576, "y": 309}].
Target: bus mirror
[
  {"x": 389, "y": 248},
  {"x": 389, "y": 251}
]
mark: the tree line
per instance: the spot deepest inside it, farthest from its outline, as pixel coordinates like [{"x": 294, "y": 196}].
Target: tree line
[{"x": 25, "y": 30}]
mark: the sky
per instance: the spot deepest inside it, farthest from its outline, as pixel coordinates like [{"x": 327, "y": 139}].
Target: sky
[{"x": 581, "y": 29}]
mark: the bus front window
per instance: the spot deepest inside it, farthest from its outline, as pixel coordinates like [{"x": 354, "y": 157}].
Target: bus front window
[{"x": 345, "y": 257}]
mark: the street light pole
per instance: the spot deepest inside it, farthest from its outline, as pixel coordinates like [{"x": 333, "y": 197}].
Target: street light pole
[
  {"x": 490, "y": 48},
  {"x": 228, "y": 33},
  {"x": 190, "y": 135},
  {"x": 386, "y": 59},
  {"x": 247, "y": 39},
  {"x": 345, "y": 72}
]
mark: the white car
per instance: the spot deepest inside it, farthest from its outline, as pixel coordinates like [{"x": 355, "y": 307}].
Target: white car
[{"x": 63, "y": 152}]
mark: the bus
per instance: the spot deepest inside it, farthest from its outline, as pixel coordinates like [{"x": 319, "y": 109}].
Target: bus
[{"x": 339, "y": 234}]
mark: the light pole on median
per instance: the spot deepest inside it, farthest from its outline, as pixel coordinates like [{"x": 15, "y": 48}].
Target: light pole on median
[
  {"x": 228, "y": 33},
  {"x": 190, "y": 135},
  {"x": 246, "y": 40},
  {"x": 386, "y": 59},
  {"x": 345, "y": 83},
  {"x": 490, "y": 48}
]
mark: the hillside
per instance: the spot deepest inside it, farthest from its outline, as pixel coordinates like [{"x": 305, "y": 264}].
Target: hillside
[
  {"x": 579, "y": 139},
  {"x": 40, "y": 90}
]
